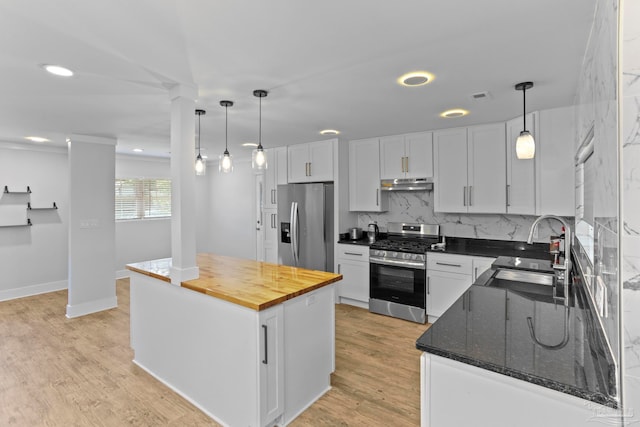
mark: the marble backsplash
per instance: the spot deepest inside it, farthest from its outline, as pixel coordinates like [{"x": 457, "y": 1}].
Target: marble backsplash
[{"x": 418, "y": 207}]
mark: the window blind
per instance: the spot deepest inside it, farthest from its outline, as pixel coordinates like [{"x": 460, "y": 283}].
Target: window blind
[{"x": 142, "y": 198}]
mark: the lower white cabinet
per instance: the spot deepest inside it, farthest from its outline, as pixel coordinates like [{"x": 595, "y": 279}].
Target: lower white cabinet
[
  {"x": 485, "y": 398},
  {"x": 271, "y": 363},
  {"x": 448, "y": 277},
  {"x": 270, "y": 246},
  {"x": 353, "y": 264}
]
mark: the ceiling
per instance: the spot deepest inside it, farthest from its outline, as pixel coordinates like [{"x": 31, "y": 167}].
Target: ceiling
[{"x": 326, "y": 64}]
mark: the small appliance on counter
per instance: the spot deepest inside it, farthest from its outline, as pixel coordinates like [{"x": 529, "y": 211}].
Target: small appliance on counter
[
  {"x": 373, "y": 232},
  {"x": 355, "y": 233}
]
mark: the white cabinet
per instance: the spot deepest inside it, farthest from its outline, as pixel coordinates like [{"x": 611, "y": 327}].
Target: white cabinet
[
  {"x": 448, "y": 277},
  {"x": 555, "y": 174},
  {"x": 364, "y": 177},
  {"x": 486, "y": 165},
  {"x": 270, "y": 227},
  {"x": 470, "y": 169},
  {"x": 274, "y": 175},
  {"x": 310, "y": 162},
  {"x": 406, "y": 156},
  {"x": 271, "y": 364},
  {"x": 353, "y": 264},
  {"x": 521, "y": 188},
  {"x": 487, "y": 398}
]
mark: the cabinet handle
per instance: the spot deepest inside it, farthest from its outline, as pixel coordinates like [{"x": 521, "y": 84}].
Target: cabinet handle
[
  {"x": 274, "y": 221},
  {"x": 377, "y": 192},
  {"x": 339, "y": 269},
  {"x": 306, "y": 169},
  {"x": 428, "y": 286},
  {"x": 464, "y": 196},
  {"x": 352, "y": 253},
  {"x": 406, "y": 164},
  {"x": 402, "y": 163},
  {"x": 470, "y": 193},
  {"x": 266, "y": 357},
  {"x": 508, "y": 195},
  {"x": 475, "y": 274},
  {"x": 448, "y": 264},
  {"x": 309, "y": 168}
]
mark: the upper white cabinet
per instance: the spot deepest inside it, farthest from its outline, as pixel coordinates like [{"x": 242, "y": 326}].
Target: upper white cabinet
[
  {"x": 364, "y": 177},
  {"x": 310, "y": 162},
  {"x": 274, "y": 175},
  {"x": 406, "y": 156},
  {"x": 521, "y": 189},
  {"x": 555, "y": 175},
  {"x": 470, "y": 169}
]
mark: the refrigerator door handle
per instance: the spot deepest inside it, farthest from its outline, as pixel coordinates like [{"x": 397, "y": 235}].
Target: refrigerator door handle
[{"x": 294, "y": 232}]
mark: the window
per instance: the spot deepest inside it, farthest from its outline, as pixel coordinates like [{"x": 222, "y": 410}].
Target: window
[{"x": 143, "y": 198}]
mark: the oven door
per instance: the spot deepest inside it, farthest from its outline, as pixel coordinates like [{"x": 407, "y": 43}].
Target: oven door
[{"x": 398, "y": 281}]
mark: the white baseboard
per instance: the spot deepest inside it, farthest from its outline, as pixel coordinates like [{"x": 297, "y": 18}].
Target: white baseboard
[
  {"x": 27, "y": 291},
  {"x": 91, "y": 307},
  {"x": 122, "y": 274}
]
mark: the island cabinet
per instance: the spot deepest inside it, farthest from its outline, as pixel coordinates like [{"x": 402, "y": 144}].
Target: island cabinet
[
  {"x": 364, "y": 177},
  {"x": 310, "y": 162},
  {"x": 469, "y": 169},
  {"x": 249, "y": 343},
  {"x": 406, "y": 156}
]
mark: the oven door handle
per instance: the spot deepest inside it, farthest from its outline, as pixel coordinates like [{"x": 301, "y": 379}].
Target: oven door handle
[{"x": 399, "y": 263}]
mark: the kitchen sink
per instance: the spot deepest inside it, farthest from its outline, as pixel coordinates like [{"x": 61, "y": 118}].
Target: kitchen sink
[{"x": 526, "y": 282}]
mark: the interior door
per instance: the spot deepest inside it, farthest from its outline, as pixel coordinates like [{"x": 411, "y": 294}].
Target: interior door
[{"x": 259, "y": 215}]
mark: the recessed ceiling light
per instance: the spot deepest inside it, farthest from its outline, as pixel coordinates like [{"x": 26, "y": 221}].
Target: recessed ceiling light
[
  {"x": 329, "y": 132},
  {"x": 416, "y": 78},
  {"x": 58, "y": 70},
  {"x": 249, "y": 144},
  {"x": 454, "y": 113},
  {"x": 137, "y": 150},
  {"x": 36, "y": 139}
]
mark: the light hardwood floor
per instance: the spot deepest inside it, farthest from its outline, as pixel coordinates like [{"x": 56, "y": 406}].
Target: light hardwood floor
[{"x": 56, "y": 371}]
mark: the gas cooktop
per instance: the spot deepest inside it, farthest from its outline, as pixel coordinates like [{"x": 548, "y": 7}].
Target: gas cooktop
[{"x": 408, "y": 237}]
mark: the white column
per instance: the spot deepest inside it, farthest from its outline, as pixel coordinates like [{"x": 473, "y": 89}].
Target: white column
[
  {"x": 92, "y": 285},
  {"x": 183, "y": 184}
]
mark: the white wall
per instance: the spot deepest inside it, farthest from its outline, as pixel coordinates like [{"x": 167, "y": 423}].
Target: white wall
[
  {"x": 33, "y": 259},
  {"x": 141, "y": 240},
  {"x": 230, "y": 212}
]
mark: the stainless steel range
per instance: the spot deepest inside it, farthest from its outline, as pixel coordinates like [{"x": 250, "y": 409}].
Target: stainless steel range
[{"x": 398, "y": 270}]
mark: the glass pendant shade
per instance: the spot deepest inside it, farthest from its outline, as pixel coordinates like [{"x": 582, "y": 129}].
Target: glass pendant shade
[
  {"x": 201, "y": 166},
  {"x": 225, "y": 162},
  {"x": 525, "y": 146},
  {"x": 259, "y": 158}
]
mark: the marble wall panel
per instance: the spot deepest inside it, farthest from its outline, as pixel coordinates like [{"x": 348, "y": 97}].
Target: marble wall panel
[
  {"x": 630, "y": 179},
  {"x": 418, "y": 207}
]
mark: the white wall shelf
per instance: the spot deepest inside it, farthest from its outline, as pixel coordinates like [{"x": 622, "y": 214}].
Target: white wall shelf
[
  {"x": 6, "y": 191},
  {"x": 28, "y": 224},
  {"x": 29, "y": 207}
]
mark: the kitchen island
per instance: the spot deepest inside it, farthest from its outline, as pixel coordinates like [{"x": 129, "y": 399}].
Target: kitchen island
[{"x": 249, "y": 343}]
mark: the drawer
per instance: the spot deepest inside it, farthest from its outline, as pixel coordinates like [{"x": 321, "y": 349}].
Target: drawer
[
  {"x": 353, "y": 252},
  {"x": 451, "y": 263}
]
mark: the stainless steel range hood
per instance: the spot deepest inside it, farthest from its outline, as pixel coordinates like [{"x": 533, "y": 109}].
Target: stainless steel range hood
[{"x": 407, "y": 184}]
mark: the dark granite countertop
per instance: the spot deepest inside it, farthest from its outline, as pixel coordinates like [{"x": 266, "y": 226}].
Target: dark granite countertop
[
  {"x": 364, "y": 241},
  {"x": 495, "y": 248},
  {"x": 488, "y": 327}
]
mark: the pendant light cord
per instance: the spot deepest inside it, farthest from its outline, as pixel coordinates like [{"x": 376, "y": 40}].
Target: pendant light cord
[
  {"x": 524, "y": 108},
  {"x": 260, "y": 124},
  {"x": 199, "y": 134},
  {"x": 226, "y": 128}
]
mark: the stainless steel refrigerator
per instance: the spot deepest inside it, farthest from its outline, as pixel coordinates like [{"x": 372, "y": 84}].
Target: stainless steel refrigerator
[{"x": 305, "y": 228}]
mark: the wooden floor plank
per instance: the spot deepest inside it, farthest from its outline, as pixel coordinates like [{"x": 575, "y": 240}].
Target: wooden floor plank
[{"x": 56, "y": 371}]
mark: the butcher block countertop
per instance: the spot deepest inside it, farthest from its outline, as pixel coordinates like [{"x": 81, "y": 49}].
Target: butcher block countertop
[{"x": 252, "y": 284}]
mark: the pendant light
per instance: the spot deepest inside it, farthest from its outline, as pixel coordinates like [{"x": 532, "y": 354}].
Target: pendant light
[
  {"x": 201, "y": 166},
  {"x": 525, "y": 145},
  {"x": 225, "y": 164},
  {"x": 258, "y": 158}
]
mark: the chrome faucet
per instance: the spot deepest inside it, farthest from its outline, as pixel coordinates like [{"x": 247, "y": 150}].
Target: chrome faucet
[{"x": 562, "y": 271}]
